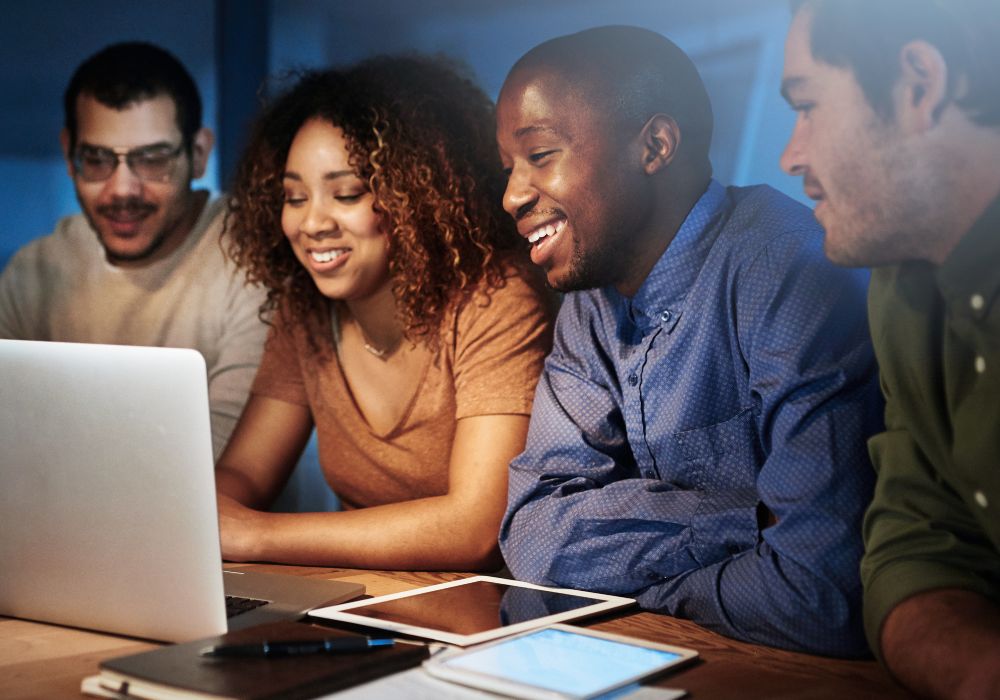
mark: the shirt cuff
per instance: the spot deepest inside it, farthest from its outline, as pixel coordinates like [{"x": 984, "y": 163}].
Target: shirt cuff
[{"x": 896, "y": 582}]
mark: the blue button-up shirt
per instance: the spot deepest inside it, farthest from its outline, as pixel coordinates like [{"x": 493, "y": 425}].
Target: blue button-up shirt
[{"x": 701, "y": 446}]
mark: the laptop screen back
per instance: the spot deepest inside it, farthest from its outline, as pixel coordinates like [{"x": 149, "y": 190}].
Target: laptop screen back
[{"x": 107, "y": 507}]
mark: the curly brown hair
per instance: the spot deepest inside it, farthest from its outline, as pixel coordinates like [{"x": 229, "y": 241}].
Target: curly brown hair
[{"x": 421, "y": 134}]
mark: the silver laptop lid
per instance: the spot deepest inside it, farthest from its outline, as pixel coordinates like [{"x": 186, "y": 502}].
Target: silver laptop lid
[{"x": 107, "y": 490}]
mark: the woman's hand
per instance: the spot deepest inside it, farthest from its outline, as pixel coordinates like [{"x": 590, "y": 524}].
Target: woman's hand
[{"x": 240, "y": 529}]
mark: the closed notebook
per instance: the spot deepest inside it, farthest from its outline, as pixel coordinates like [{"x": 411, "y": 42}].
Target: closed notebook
[{"x": 181, "y": 671}]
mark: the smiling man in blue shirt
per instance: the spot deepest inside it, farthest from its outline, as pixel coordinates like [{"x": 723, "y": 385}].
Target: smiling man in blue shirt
[{"x": 698, "y": 435}]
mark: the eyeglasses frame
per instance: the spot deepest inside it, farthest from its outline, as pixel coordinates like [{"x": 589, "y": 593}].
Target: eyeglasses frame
[{"x": 122, "y": 153}]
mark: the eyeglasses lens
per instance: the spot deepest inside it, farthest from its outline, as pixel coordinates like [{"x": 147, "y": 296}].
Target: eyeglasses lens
[{"x": 153, "y": 164}]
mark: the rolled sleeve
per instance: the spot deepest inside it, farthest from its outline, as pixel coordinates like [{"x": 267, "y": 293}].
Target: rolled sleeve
[{"x": 919, "y": 534}]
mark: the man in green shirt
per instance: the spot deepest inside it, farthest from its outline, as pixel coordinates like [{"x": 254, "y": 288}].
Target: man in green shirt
[{"x": 898, "y": 140}]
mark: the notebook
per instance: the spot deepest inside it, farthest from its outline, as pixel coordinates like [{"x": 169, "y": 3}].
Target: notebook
[
  {"x": 181, "y": 671},
  {"x": 108, "y": 517}
]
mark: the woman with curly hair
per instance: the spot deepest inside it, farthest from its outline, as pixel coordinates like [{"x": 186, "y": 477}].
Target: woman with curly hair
[{"x": 405, "y": 325}]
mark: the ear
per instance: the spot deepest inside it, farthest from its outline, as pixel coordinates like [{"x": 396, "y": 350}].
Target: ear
[
  {"x": 924, "y": 85},
  {"x": 660, "y": 139},
  {"x": 67, "y": 156},
  {"x": 201, "y": 146}
]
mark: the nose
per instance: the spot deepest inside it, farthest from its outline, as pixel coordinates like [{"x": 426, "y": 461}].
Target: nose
[
  {"x": 317, "y": 221},
  {"x": 123, "y": 182},
  {"x": 792, "y": 159},
  {"x": 520, "y": 196}
]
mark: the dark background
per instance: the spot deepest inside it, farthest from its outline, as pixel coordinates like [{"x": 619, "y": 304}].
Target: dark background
[{"x": 231, "y": 46}]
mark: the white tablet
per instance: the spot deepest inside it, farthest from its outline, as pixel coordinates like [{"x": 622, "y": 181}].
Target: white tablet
[
  {"x": 557, "y": 662},
  {"x": 472, "y": 610}
]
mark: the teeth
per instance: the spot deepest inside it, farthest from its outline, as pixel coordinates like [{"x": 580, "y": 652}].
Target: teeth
[
  {"x": 326, "y": 256},
  {"x": 545, "y": 231}
]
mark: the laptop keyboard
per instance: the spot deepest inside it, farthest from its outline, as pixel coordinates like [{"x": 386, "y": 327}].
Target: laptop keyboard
[{"x": 236, "y": 605}]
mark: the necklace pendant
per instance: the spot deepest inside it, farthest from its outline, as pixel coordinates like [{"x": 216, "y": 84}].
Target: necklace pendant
[{"x": 375, "y": 351}]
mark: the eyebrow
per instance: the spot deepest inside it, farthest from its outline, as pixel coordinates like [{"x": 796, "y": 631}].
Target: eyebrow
[
  {"x": 789, "y": 84},
  {"x": 332, "y": 175},
  {"x": 145, "y": 146},
  {"x": 537, "y": 129}
]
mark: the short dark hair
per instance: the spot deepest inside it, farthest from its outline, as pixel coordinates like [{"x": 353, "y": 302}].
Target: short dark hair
[
  {"x": 129, "y": 72},
  {"x": 635, "y": 73},
  {"x": 866, "y": 37}
]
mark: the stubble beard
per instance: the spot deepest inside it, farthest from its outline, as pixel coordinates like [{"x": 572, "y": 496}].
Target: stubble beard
[
  {"x": 885, "y": 215},
  {"x": 601, "y": 266},
  {"x": 167, "y": 229}
]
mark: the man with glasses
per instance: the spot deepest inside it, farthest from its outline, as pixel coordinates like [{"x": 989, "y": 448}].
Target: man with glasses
[{"x": 143, "y": 264}]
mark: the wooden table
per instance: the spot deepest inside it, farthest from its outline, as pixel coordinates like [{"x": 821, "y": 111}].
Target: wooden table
[{"x": 48, "y": 661}]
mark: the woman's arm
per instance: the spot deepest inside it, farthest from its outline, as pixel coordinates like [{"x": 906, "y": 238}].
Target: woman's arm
[
  {"x": 455, "y": 531},
  {"x": 263, "y": 450}
]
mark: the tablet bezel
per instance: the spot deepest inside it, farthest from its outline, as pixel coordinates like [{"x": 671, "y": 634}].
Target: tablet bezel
[
  {"x": 438, "y": 667},
  {"x": 342, "y": 612}
]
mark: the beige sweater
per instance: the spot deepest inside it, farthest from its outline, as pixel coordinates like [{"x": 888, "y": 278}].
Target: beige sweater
[{"x": 61, "y": 287}]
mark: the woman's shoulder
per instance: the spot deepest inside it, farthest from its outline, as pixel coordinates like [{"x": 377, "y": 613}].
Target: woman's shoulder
[
  {"x": 518, "y": 289},
  {"x": 513, "y": 306},
  {"x": 308, "y": 334}
]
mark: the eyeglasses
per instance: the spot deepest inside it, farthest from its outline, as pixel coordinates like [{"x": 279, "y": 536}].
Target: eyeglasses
[{"x": 150, "y": 163}]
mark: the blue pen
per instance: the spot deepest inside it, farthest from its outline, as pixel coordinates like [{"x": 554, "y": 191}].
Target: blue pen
[{"x": 332, "y": 645}]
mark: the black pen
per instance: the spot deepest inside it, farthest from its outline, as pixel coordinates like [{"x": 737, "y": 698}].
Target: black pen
[{"x": 332, "y": 645}]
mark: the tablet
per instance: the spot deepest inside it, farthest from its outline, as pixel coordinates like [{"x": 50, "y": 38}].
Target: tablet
[
  {"x": 472, "y": 610},
  {"x": 558, "y": 662}
]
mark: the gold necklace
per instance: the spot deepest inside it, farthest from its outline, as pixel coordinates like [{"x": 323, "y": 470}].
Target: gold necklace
[
  {"x": 377, "y": 352},
  {"x": 380, "y": 353}
]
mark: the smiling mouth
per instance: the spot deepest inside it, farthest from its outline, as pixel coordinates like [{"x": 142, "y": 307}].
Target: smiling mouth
[
  {"x": 127, "y": 216},
  {"x": 545, "y": 231},
  {"x": 326, "y": 256}
]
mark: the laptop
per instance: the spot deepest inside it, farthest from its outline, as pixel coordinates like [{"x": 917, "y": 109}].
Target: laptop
[{"x": 108, "y": 517}]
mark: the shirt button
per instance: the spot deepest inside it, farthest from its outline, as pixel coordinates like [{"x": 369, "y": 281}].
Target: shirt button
[
  {"x": 977, "y": 302},
  {"x": 665, "y": 316},
  {"x": 632, "y": 380},
  {"x": 981, "y": 499},
  {"x": 980, "y": 364}
]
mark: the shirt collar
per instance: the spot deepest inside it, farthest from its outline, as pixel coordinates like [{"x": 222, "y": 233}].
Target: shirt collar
[
  {"x": 661, "y": 296},
  {"x": 972, "y": 268}
]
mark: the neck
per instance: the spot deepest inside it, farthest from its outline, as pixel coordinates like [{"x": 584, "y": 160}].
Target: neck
[
  {"x": 375, "y": 317},
  {"x": 967, "y": 187},
  {"x": 674, "y": 200}
]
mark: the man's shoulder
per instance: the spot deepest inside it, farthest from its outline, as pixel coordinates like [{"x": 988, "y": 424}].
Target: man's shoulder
[
  {"x": 210, "y": 225},
  {"x": 70, "y": 233},
  {"x": 72, "y": 230},
  {"x": 586, "y": 317},
  {"x": 763, "y": 209},
  {"x": 763, "y": 225},
  {"x": 207, "y": 251}
]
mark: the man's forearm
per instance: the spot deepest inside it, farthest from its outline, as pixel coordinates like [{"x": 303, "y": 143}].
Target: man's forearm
[{"x": 945, "y": 644}]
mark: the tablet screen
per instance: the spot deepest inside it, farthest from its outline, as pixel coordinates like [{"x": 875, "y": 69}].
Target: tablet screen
[
  {"x": 474, "y": 607},
  {"x": 473, "y": 610},
  {"x": 563, "y": 661}
]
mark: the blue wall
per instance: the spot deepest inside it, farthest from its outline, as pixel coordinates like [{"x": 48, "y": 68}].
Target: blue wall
[{"x": 737, "y": 45}]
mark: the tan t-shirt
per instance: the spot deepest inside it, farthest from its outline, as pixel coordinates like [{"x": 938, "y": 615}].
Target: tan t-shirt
[{"x": 491, "y": 354}]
